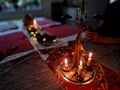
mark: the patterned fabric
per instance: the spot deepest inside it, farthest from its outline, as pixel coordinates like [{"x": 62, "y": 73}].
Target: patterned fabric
[{"x": 105, "y": 78}]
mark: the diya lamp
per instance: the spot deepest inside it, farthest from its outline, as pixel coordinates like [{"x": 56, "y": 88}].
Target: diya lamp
[{"x": 78, "y": 72}]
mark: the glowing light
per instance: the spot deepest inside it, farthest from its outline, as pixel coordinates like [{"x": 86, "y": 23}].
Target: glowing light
[
  {"x": 44, "y": 39},
  {"x": 89, "y": 59},
  {"x": 31, "y": 33},
  {"x": 34, "y": 39},
  {"x": 80, "y": 62},
  {"x": 34, "y": 35},
  {"x": 54, "y": 40},
  {"x": 66, "y": 61},
  {"x": 90, "y": 54},
  {"x": 80, "y": 67},
  {"x": 35, "y": 24}
]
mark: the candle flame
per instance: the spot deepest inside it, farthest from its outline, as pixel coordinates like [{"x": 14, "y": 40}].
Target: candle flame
[
  {"x": 90, "y": 54},
  {"x": 80, "y": 62},
  {"x": 66, "y": 61},
  {"x": 44, "y": 39},
  {"x": 35, "y": 24}
]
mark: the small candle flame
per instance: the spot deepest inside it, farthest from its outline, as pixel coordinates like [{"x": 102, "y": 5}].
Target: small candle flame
[
  {"x": 35, "y": 24},
  {"x": 44, "y": 39},
  {"x": 80, "y": 62},
  {"x": 66, "y": 64},
  {"x": 66, "y": 61},
  {"x": 90, "y": 54},
  {"x": 89, "y": 59}
]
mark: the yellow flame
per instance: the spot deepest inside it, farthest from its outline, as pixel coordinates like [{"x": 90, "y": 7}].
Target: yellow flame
[
  {"x": 44, "y": 39},
  {"x": 90, "y": 54}
]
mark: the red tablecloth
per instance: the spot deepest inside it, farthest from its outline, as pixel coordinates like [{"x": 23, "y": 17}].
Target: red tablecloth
[
  {"x": 46, "y": 21},
  {"x": 105, "y": 79},
  {"x": 7, "y": 42},
  {"x": 62, "y": 30}
]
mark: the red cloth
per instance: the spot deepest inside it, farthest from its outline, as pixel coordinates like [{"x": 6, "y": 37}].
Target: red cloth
[
  {"x": 7, "y": 42},
  {"x": 62, "y": 30},
  {"x": 105, "y": 79},
  {"x": 46, "y": 21}
]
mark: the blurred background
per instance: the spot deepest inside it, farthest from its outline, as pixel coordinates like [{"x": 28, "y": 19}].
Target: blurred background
[{"x": 54, "y": 9}]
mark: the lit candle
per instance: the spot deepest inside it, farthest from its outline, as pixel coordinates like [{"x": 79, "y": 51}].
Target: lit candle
[
  {"x": 66, "y": 62},
  {"x": 35, "y": 24},
  {"x": 80, "y": 67},
  {"x": 89, "y": 59}
]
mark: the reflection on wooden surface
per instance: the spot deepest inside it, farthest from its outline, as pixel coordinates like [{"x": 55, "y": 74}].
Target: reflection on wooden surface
[{"x": 31, "y": 74}]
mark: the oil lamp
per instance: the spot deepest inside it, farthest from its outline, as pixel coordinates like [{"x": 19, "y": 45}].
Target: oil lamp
[{"x": 78, "y": 72}]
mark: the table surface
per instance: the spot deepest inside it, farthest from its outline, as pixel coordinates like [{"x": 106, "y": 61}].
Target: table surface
[
  {"x": 107, "y": 55},
  {"x": 34, "y": 74},
  {"x": 31, "y": 74}
]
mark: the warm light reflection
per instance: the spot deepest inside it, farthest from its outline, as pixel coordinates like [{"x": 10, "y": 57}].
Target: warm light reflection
[
  {"x": 34, "y": 39},
  {"x": 34, "y": 35},
  {"x": 31, "y": 33}
]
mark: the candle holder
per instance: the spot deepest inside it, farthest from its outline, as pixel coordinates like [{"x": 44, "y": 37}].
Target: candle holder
[
  {"x": 72, "y": 76},
  {"x": 75, "y": 72}
]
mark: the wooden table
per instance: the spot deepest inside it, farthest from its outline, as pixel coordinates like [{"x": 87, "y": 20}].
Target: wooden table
[
  {"x": 34, "y": 74},
  {"x": 30, "y": 74},
  {"x": 106, "y": 54}
]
